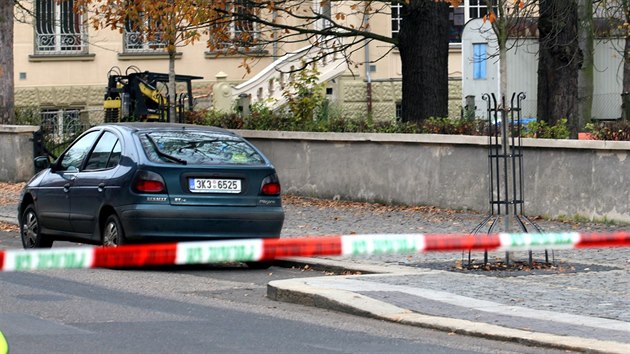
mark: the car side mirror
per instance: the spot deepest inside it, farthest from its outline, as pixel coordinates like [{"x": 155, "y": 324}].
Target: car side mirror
[{"x": 41, "y": 163}]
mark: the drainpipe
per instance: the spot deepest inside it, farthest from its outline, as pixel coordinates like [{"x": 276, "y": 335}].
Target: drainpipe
[{"x": 368, "y": 77}]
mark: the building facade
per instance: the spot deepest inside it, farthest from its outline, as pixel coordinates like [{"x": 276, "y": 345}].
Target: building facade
[{"x": 61, "y": 63}]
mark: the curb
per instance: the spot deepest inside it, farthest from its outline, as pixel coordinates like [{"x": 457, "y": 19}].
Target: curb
[
  {"x": 342, "y": 266},
  {"x": 299, "y": 291},
  {"x": 8, "y": 220}
]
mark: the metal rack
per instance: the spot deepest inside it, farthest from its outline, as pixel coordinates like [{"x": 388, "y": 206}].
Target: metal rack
[{"x": 505, "y": 169}]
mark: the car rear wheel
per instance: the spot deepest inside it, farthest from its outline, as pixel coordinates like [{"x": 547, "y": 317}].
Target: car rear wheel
[
  {"x": 113, "y": 233},
  {"x": 31, "y": 232}
]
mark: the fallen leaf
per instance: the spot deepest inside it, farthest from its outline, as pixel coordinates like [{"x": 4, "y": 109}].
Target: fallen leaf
[{"x": 9, "y": 227}]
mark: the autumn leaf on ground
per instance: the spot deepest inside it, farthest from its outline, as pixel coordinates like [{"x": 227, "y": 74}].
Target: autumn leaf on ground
[
  {"x": 9, "y": 227},
  {"x": 458, "y": 264},
  {"x": 10, "y": 192}
]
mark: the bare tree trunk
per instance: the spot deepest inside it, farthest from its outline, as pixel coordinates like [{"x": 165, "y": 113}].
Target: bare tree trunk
[
  {"x": 172, "y": 51},
  {"x": 560, "y": 59},
  {"x": 626, "y": 80},
  {"x": 503, "y": 72},
  {"x": 172, "y": 86},
  {"x": 626, "y": 66},
  {"x": 500, "y": 28},
  {"x": 7, "y": 95},
  {"x": 423, "y": 45},
  {"x": 585, "y": 78}
]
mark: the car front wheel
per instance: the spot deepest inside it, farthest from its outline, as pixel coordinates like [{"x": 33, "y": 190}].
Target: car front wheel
[
  {"x": 113, "y": 234},
  {"x": 30, "y": 230}
]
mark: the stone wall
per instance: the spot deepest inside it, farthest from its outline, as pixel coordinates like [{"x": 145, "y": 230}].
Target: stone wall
[
  {"x": 351, "y": 96},
  {"x": 16, "y": 152},
  {"x": 88, "y": 98},
  {"x": 385, "y": 95},
  {"x": 561, "y": 177}
]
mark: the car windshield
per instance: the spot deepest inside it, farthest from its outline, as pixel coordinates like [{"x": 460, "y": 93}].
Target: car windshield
[{"x": 198, "y": 148}]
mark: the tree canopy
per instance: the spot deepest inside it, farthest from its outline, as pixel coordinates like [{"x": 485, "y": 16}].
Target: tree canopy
[
  {"x": 243, "y": 25},
  {"x": 336, "y": 26}
]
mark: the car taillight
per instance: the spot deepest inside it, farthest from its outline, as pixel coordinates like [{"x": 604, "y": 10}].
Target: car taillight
[
  {"x": 149, "y": 182},
  {"x": 270, "y": 185}
]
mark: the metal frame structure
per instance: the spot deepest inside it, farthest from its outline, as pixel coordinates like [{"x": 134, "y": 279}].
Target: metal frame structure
[{"x": 505, "y": 169}]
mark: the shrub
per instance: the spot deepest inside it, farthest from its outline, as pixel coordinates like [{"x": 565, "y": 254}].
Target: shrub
[
  {"x": 216, "y": 118},
  {"x": 541, "y": 129},
  {"x": 304, "y": 94},
  {"x": 28, "y": 115},
  {"x": 453, "y": 126},
  {"x": 619, "y": 130}
]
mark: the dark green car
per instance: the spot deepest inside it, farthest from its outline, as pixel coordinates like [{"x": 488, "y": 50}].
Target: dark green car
[{"x": 152, "y": 182}]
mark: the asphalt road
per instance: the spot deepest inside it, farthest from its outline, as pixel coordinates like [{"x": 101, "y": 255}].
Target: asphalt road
[
  {"x": 206, "y": 309},
  {"x": 212, "y": 309}
]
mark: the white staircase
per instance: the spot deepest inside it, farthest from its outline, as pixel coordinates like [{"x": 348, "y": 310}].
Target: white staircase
[{"x": 268, "y": 85}]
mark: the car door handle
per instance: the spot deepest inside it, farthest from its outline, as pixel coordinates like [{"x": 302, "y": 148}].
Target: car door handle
[
  {"x": 66, "y": 187},
  {"x": 101, "y": 187}
]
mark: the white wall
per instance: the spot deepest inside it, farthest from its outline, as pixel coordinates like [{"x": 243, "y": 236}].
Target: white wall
[{"x": 523, "y": 72}]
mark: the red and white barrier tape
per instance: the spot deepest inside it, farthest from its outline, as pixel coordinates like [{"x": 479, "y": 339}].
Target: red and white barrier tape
[{"x": 253, "y": 250}]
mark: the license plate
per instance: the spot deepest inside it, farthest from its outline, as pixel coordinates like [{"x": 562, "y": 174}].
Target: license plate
[{"x": 214, "y": 185}]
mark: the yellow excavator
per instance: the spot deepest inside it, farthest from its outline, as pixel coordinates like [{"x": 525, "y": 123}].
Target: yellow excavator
[{"x": 143, "y": 96}]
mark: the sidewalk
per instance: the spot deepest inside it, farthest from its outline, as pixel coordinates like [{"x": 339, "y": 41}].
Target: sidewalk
[
  {"x": 492, "y": 307},
  {"x": 8, "y": 214},
  {"x": 583, "y": 305}
]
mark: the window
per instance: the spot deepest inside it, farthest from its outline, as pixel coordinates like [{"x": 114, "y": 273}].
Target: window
[
  {"x": 479, "y": 8},
  {"x": 396, "y": 18},
  {"x": 198, "y": 148},
  {"x": 468, "y": 10},
  {"x": 457, "y": 18},
  {"x": 136, "y": 39},
  {"x": 106, "y": 153},
  {"x": 58, "y": 30},
  {"x": 323, "y": 8},
  {"x": 238, "y": 32},
  {"x": 62, "y": 123},
  {"x": 480, "y": 59},
  {"x": 243, "y": 28},
  {"x": 73, "y": 158}
]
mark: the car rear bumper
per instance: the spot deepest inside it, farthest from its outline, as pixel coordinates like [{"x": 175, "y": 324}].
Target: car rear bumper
[{"x": 182, "y": 223}]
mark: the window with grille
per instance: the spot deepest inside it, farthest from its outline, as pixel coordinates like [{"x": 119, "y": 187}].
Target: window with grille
[
  {"x": 58, "y": 29},
  {"x": 239, "y": 31},
  {"x": 137, "y": 39},
  {"x": 61, "y": 122}
]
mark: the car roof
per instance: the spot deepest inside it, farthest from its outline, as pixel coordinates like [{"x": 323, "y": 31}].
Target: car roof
[{"x": 157, "y": 126}]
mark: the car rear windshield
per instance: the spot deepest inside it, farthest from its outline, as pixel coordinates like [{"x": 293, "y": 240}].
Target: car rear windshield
[{"x": 198, "y": 148}]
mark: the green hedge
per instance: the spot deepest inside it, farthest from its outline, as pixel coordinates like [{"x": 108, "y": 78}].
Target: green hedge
[{"x": 327, "y": 119}]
